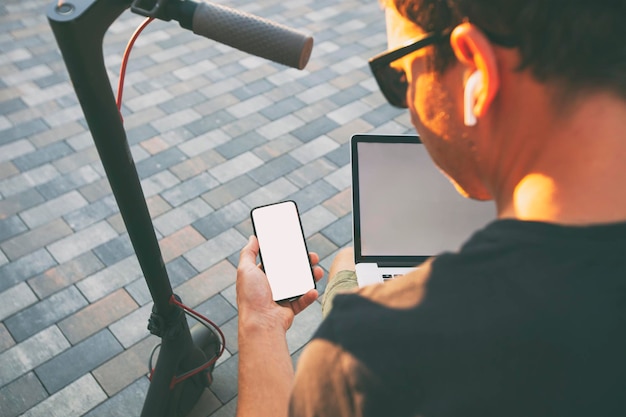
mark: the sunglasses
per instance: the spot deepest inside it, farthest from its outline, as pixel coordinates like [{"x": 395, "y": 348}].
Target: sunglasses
[{"x": 392, "y": 81}]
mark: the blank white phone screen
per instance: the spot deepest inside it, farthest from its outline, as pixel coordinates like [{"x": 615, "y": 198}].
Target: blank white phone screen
[{"x": 283, "y": 250}]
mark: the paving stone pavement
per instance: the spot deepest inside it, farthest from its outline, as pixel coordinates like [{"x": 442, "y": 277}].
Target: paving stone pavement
[{"x": 214, "y": 132}]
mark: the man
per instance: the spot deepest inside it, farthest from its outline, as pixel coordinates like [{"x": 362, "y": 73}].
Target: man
[{"x": 522, "y": 102}]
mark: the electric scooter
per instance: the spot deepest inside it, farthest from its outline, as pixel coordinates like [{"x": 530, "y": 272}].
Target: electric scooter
[{"x": 187, "y": 355}]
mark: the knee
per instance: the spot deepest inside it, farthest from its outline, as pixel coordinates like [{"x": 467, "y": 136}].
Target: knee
[{"x": 343, "y": 261}]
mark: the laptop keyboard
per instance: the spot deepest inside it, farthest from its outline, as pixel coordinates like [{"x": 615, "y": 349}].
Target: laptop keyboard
[{"x": 387, "y": 277}]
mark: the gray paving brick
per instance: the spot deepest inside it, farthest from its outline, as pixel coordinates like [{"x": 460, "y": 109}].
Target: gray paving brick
[
  {"x": 53, "y": 209},
  {"x": 150, "y": 99},
  {"x": 216, "y": 249},
  {"x": 179, "y": 271},
  {"x": 158, "y": 162},
  {"x": 282, "y": 108},
  {"x": 230, "y": 191},
  {"x": 340, "y": 232},
  {"x": 125, "y": 368},
  {"x": 114, "y": 250},
  {"x": 240, "y": 144},
  {"x": 204, "y": 142},
  {"x": 189, "y": 189},
  {"x": 95, "y": 190},
  {"x": 11, "y": 105},
  {"x": 68, "y": 182},
  {"x": 20, "y": 202},
  {"x": 225, "y": 379},
  {"x": 15, "y": 299},
  {"x": 182, "y": 216},
  {"x": 133, "y": 327},
  {"x": 252, "y": 89},
  {"x": 223, "y": 219},
  {"x": 280, "y": 126},
  {"x": 24, "y": 268},
  {"x": 35, "y": 239},
  {"x": 73, "y": 401},
  {"x": 62, "y": 276},
  {"x": 7, "y": 169},
  {"x": 274, "y": 169},
  {"x": 340, "y": 156},
  {"x": 39, "y": 316},
  {"x": 158, "y": 182},
  {"x": 217, "y": 309},
  {"x": 311, "y": 172},
  {"x": 31, "y": 353},
  {"x": 90, "y": 214},
  {"x": 207, "y": 124},
  {"x": 340, "y": 179},
  {"x": 24, "y": 181},
  {"x": 138, "y": 290},
  {"x": 235, "y": 167},
  {"x": 11, "y": 226},
  {"x": 249, "y": 106},
  {"x": 239, "y": 127},
  {"x": 77, "y": 160},
  {"x": 315, "y": 128},
  {"x": 178, "y": 119},
  {"x": 277, "y": 147},
  {"x": 22, "y": 130},
  {"x": 140, "y": 133},
  {"x": 128, "y": 402},
  {"x": 20, "y": 395},
  {"x": 348, "y": 112},
  {"x": 41, "y": 156},
  {"x": 314, "y": 149},
  {"x": 15, "y": 149},
  {"x": 271, "y": 193},
  {"x": 78, "y": 360},
  {"x": 6, "y": 341},
  {"x": 228, "y": 410},
  {"x": 316, "y": 219},
  {"x": 110, "y": 279},
  {"x": 82, "y": 241},
  {"x": 309, "y": 196}
]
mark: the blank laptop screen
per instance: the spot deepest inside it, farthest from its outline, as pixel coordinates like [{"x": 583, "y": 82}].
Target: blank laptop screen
[{"x": 407, "y": 207}]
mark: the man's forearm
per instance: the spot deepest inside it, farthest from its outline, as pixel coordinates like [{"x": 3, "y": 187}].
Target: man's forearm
[{"x": 265, "y": 371}]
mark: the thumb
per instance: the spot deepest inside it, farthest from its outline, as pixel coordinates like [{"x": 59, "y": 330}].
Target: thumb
[{"x": 248, "y": 254}]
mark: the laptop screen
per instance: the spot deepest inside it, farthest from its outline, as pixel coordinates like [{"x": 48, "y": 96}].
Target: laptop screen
[{"x": 405, "y": 210}]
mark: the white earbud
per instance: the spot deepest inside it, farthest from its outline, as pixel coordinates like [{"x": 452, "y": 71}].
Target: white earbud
[{"x": 474, "y": 82}]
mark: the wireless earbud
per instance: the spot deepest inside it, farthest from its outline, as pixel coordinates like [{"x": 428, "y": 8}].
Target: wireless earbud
[{"x": 474, "y": 82}]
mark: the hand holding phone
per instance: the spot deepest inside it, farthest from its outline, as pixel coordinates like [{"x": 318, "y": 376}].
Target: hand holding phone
[{"x": 283, "y": 250}]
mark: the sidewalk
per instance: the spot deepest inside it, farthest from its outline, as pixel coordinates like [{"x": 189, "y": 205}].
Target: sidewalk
[{"x": 213, "y": 132}]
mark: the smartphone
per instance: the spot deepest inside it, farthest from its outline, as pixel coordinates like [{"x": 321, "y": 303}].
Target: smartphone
[{"x": 283, "y": 250}]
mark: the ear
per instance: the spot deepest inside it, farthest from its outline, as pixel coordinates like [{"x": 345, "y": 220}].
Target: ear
[{"x": 473, "y": 50}]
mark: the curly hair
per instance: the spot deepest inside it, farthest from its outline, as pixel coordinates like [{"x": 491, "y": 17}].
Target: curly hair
[{"x": 580, "y": 44}]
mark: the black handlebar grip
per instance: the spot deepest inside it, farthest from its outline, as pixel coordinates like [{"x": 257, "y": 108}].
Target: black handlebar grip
[{"x": 252, "y": 34}]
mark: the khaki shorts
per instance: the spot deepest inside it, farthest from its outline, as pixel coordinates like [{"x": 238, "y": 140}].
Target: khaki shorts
[{"x": 343, "y": 281}]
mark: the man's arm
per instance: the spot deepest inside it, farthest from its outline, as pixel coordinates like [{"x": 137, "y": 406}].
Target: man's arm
[{"x": 265, "y": 367}]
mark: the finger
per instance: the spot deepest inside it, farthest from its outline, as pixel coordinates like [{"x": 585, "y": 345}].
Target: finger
[
  {"x": 314, "y": 258},
  {"x": 318, "y": 273},
  {"x": 248, "y": 254},
  {"x": 303, "y": 302}
]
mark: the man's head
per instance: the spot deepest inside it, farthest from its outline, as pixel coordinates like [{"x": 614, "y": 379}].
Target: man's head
[
  {"x": 526, "y": 52},
  {"x": 577, "y": 43}
]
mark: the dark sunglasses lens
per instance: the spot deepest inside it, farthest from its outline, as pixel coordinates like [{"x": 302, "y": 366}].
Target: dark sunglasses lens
[{"x": 393, "y": 84}]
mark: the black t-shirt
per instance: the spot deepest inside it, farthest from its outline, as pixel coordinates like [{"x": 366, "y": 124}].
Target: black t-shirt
[{"x": 528, "y": 319}]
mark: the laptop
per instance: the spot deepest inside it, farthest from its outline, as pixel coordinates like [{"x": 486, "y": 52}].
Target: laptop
[{"x": 404, "y": 209}]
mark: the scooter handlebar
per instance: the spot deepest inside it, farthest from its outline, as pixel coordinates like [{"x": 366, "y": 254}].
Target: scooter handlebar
[{"x": 252, "y": 34}]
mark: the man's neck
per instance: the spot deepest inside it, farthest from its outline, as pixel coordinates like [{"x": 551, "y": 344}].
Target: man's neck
[{"x": 577, "y": 172}]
